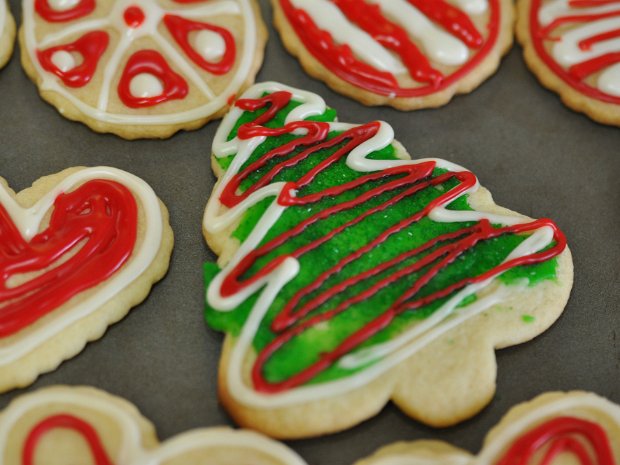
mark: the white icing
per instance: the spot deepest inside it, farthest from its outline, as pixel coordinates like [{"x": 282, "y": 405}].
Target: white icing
[
  {"x": 146, "y": 85},
  {"x": 131, "y": 451},
  {"x": 63, "y": 60},
  {"x": 567, "y": 51},
  {"x": 210, "y": 45},
  {"x": 217, "y": 218},
  {"x": 28, "y": 221},
  {"x": 439, "y": 45},
  {"x": 409, "y": 459},
  {"x": 63, "y": 5},
  {"x": 153, "y": 16},
  {"x": 609, "y": 80},
  {"x": 473, "y": 7},
  {"x": 328, "y": 17}
]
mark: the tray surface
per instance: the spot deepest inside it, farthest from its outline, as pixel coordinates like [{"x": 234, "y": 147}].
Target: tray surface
[{"x": 535, "y": 155}]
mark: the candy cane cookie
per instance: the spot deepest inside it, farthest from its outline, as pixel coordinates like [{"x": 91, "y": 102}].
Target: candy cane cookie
[
  {"x": 573, "y": 47},
  {"x": 350, "y": 275},
  {"x": 64, "y": 424},
  {"x": 557, "y": 428},
  {"x": 78, "y": 250},
  {"x": 7, "y": 33},
  {"x": 409, "y": 54},
  {"x": 141, "y": 68}
]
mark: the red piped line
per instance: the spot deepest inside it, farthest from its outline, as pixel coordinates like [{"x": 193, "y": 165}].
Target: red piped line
[{"x": 586, "y": 44}]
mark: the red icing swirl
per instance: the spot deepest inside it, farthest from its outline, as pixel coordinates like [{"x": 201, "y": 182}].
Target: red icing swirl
[
  {"x": 586, "y": 441},
  {"x": 293, "y": 320},
  {"x": 340, "y": 59},
  {"x": 101, "y": 216},
  {"x": 81, "y": 9}
]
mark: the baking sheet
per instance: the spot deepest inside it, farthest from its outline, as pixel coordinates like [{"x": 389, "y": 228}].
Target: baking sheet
[{"x": 536, "y": 156}]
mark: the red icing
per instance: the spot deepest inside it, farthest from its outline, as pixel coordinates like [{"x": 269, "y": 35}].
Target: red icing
[
  {"x": 341, "y": 60},
  {"x": 294, "y": 320},
  {"x": 575, "y": 75},
  {"x": 180, "y": 29},
  {"x": 586, "y": 441},
  {"x": 70, "y": 422},
  {"x": 101, "y": 216},
  {"x": 45, "y": 10},
  {"x": 134, "y": 17},
  {"x": 90, "y": 47},
  {"x": 151, "y": 62}
]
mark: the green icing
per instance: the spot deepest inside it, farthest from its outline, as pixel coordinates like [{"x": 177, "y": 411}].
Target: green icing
[{"x": 306, "y": 348}]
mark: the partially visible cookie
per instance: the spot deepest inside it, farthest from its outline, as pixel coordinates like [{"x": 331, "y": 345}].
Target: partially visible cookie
[
  {"x": 141, "y": 68},
  {"x": 7, "y": 33},
  {"x": 409, "y": 54},
  {"x": 559, "y": 428},
  {"x": 78, "y": 250},
  {"x": 62, "y": 425},
  {"x": 573, "y": 47}
]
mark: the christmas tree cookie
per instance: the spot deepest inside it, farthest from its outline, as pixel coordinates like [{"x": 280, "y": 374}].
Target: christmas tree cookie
[
  {"x": 350, "y": 275},
  {"x": 79, "y": 425},
  {"x": 573, "y": 47},
  {"x": 556, "y": 428},
  {"x": 141, "y": 68},
  {"x": 409, "y": 54},
  {"x": 7, "y": 33}
]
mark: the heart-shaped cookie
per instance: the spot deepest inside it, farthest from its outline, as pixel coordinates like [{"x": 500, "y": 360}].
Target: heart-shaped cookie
[
  {"x": 350, "y": 274},
  {"x": 7, "y": 33},
  {"x": 78, "y": 250},
  {"x": 62, "y": 425},
  {"x": 553, "y": 429}
]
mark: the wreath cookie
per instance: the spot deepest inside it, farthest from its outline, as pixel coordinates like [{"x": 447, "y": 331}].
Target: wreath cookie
[
  {"x": 573, "y": 47},
  {"x": 350, "y": 275},
  {"x": 84, "y": 425},
  {"x": 556, "y": 428},
  {"x": 409, "y": 54},
  {"x": 141, "y": 68},
  {"x": 77, "y": 250},
  {"x": 7, "y": 33}
]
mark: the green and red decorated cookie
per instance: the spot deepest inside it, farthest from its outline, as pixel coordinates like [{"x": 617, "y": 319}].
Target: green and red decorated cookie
[{"x": 350, "y": 275}]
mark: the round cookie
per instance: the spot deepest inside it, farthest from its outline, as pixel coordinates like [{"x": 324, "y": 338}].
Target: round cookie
[
  {"x": 78, "y": 250},
  {"x": 564, "y": 428},
  {"x": 409, "y": 54},
  {"x": 60, "y": 425},
  {"x": 141, "y": 68},
  {"x": 350, "y": 275},
  {"x": 573, "y": 47},
  {"x": 7, "y": 33}
]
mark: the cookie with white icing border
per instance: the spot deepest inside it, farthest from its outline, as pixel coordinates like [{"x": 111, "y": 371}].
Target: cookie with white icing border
[
  {"x": 350, "y": 275},
  {"x": 7, "y": 33},
  {"x": 560, "y": 428},
  {"x": 409, "y": 54},
  {"x": 573, "y": 47},
  {"x": 64, "y": 424},
  {"x": 78, "y": 250},
  {"x": 142, "y": 68}
]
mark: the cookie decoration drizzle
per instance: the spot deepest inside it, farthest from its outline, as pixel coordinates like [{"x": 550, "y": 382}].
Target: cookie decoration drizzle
[
  {"x": 554, "y": 427},
  {"x": 155, "y": 66},
  {"x": 287, "y": 162},
  {"x": 114, "y": 433},
  {"x": 397, "y": 49},
  {"x": 76, "y": 251},
  {"x": 580, "y": 41}
]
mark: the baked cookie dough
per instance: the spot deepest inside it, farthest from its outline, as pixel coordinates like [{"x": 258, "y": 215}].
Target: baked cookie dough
[
  {"x": 141, "y": 68},
  {"x": 7, "y": 33},
  {"x": 409, "y": 54},
  {"x": 78, "y": 250},
  {"x": 350, "y": 275}
]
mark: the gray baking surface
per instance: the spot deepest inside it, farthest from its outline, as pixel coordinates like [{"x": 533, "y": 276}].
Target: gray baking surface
[{"x": 535, "y": 155}]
